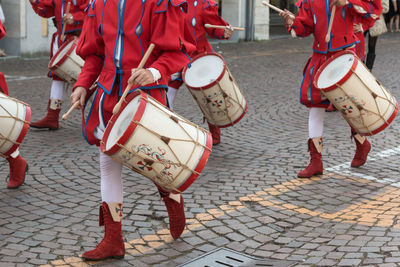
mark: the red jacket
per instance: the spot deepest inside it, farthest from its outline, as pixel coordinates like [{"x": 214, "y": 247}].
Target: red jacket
[
  {"x": 138, "y": 25},
  {"x": 313, "y": 18},
  {"x": 2, "y": 31},
  {"x": 202, "y": 12},
  {"x": 3, "y": 84},
  {"x": 58, "y": 8}
]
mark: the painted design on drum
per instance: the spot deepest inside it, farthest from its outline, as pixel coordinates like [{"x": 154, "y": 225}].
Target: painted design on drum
[
  {"x": 217, "y": 100},
  {"x": 146, "y": 165},
  {"x": 341, "y": 99}
]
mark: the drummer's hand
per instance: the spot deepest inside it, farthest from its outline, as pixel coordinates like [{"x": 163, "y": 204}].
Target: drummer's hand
[
  {"x": 79, "y": 94},
  {"x": 68, "y": 18},
  {"x": 357, "y": 28},
  {"x": 228, "y": 32},
  {"x": 141, "y": 77},
  {"x": 338, "y": 3},
  {"x": 287, "y": 17}
]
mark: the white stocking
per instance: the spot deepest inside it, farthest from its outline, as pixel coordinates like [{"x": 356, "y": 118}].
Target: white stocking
[
  {"x": 58, "y": 90},
  {"x": 316, "y": 122},
  {"x": 111, "y": 180},
  {"x": 171, "y": 94},
  {"x": 15, "y": 154}
]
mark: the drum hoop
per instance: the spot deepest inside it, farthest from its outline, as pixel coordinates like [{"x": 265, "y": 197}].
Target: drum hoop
[
  {"x": 52, "y": 64},
  {"x": 235, "y": 121},
  {"x": 341, "y": 81},
  {"x": 214, "y": 82},
  {"x": 391, "y": 118},
  {"x": 132, "y": 126},
  {"x": 24, "y": 130}
]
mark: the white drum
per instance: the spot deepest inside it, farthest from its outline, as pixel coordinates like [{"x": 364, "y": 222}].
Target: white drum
[
  {"x": 15, "y": 117},
  {"x": 154, "y": 141},
  {"x": 66, "y": 64},
  {"x": 364, "y": 102},
  {"x": 215, "y": 90}
]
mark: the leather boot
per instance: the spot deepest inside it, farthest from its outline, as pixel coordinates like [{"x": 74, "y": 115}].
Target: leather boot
[
  {"x": 176, "y": 212},
  {"x": 215, "y": 133},
  {"x": 315, "y": 167},
  {"x": 18, "y": 169},
  {"x": 369, "y": 62},
  {"x": 363, "y": 147},
  {"x": 50, "y": 121},
  {"x": 112, "y": 245}
]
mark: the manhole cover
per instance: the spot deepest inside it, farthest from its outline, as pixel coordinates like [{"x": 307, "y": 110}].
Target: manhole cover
[{"x": 226, "y": 257}]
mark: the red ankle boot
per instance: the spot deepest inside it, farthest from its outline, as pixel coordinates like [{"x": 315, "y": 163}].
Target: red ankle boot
[
  {"x": 50, "y": 121},
  {"x": 215, "y": 133},
  {"x": 315, "y": 167},
  {"x": 176, "y": 214},
  {"x": 18, "y": 169},
  {"x": 363, "y": 147},
  {"x": 112, "y": 245}
]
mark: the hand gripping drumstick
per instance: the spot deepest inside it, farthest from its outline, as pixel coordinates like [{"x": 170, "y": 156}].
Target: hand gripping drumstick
[
  {"x": 74, "y": 106},
  {"x": 328, "y": 34},
  {"x": 265, "y": 3},
  {"x": 129, "y": 86},
  {"x": 65, "y": 24},
  {"x": 222, "y": 27}
]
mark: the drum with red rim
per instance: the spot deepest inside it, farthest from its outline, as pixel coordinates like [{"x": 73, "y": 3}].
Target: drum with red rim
[
  {"x": 154, "y": 141},
  {"x": 215, "y": 90},
  {"x": 364, "y": 102},
  {"x": 15, "y": 117},
  {"x": 66, "y": 64}
]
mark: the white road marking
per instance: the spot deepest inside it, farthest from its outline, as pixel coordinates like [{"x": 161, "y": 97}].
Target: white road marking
[
  {"x": 345, "y": 168},
  {"x": 10, "y": 78}
]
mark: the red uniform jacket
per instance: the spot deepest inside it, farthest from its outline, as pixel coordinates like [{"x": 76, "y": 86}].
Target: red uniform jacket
[
  {"x": 202, "y": 12},
  {"x": 3, "y": 84},
  {"x": 58, "y": 8},
  {"x": 115, "y": 36},
  {"x": 313, "y": 18},
  {"x": 2, "y": 31}
]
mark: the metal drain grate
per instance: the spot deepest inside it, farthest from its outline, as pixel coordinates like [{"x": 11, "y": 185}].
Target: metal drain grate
[{"x": 223, "y": 257}]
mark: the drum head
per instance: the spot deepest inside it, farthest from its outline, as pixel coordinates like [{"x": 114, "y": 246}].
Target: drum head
[
  {"x": 61, "y": 53},
  {"x": 204, "y": 71},
  {"x": 122, "y": 122},
  {"x": 335, "y": 71}
]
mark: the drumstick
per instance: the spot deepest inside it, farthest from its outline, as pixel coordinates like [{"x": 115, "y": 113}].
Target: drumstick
[
  {"x": 65, "y": 24},
  {"x": 74, "y": 106},
  {"x": 265, "y": 3},
  {"x": 328, "y": 34},
  {"x": 222, "y": 27},
  {"x": 129, "y": 86}
]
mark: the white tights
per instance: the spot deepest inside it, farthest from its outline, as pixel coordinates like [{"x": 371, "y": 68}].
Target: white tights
[
  {"x": 58, "y": 90},
  {"x": 171, "y": 94},
  {"x": 316, "y": 122},
  {"x": 111, "y": 179}
]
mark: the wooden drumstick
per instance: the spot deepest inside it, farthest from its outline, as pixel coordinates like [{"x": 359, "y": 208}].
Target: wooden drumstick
[
  {"x": 74, "y": 106},
  {"x": 222, "y": 27},
  {"x": 129, "y": 86},
  {"x": 328, "y": 34},
  {"x": 65, "y": 24},
  {"x": 265, "y": 3}
]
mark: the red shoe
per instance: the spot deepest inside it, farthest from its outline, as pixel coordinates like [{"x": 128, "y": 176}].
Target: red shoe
[
  {"x": 215, "y": 133},
  {"x": 50, "y": 121},
  {"x": 362, "y": 150},
  {"x": 315, "y": 167},
  {"x": 18, "y": 169},
  {"x": 176, "y": 214},
  {"x": 112, "y": 245}
]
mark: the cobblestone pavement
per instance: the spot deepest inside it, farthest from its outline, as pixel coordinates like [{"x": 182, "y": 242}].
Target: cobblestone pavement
[{"x": 248, "y": 197}]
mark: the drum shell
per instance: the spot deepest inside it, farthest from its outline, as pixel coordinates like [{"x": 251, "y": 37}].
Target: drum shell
[
  {"x": 160, "y": 158},
  {"x": 221, "y": 102},
  {"x": 363, "y": 101},
  {"x": 14, "y": 120},
  {"x": 66, "y": 64}
]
